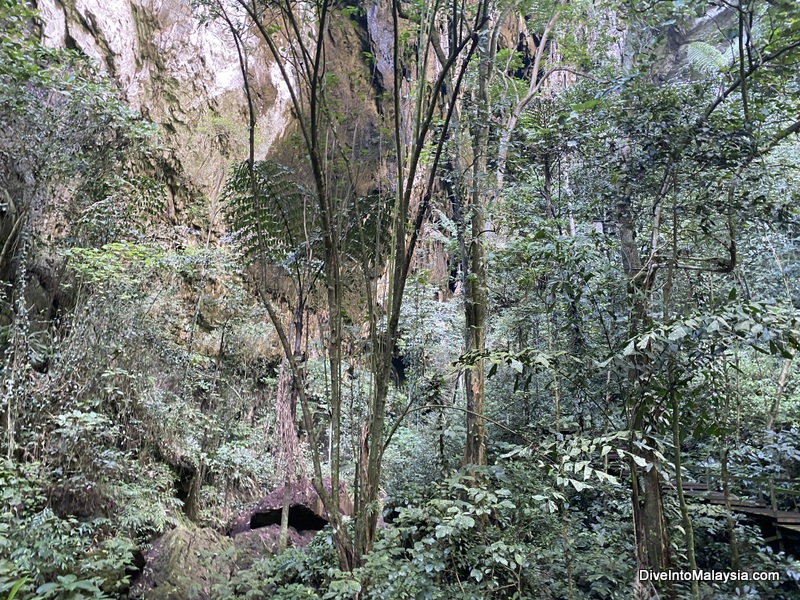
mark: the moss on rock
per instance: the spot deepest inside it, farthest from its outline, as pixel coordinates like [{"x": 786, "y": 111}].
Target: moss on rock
[{"x": 185, "y": 563}]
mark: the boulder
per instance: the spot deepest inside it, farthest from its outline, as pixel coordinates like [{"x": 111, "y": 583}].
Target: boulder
[
  {"x": 185, "y": 563},
  {"x": 306, "y": 512}
]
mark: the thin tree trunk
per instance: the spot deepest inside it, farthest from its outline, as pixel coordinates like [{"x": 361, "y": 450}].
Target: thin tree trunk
[
  {"x": 733, "y": 544},
  {"x": 556, "y": 381},
  {"x": 563, "y": 511},
  {"x": 548, "y": 194},
  {"x": 504, "y": 145},
  {"x": 283, "y": 539},
  {"x": 687, "y": 521},
  {"x": 652, "y": 540},
  {"x": 776, "y": 403},
  {"x": 726, "y": 494},
  {"x": 288, "y": 447}
]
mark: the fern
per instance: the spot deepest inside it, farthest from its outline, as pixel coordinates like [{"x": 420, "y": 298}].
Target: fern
[
  {"x": 273, "y": 218},
  {"x": 706, "y": 58},
  {"x": 276, "y": 220}
]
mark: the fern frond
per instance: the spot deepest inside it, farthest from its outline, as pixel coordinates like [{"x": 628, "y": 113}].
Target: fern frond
[
  {"x": 273, "y": 218},
  {"x": 706, "y": 58},
  {"x": 276, "y": 219}
]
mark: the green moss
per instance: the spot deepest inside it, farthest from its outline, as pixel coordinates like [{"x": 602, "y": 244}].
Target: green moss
[{"x": 184, "y": 563}]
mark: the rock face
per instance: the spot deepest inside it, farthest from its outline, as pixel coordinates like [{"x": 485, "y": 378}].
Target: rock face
[
  {"x": 306, "y": 512},
  {"x": 181, "y": 74},
  {"x": 184, "y": 75},
  {"x": 185, "y": 563}
]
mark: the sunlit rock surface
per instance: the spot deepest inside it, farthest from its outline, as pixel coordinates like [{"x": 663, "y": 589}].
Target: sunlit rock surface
[{"x": 183, "y": 75}]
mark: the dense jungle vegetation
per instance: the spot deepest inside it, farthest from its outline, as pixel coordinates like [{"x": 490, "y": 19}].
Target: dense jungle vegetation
[{"x": 520, "y": 283}]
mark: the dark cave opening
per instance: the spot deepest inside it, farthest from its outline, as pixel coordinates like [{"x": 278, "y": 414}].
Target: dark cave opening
[{"x": 301, "y": 519}]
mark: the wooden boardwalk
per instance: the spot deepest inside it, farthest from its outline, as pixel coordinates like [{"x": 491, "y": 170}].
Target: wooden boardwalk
[{"x": 783, "y": 519}]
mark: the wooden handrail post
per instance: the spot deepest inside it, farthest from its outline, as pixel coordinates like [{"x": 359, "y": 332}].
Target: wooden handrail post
[
  {"x": 773, "y": 499},
  {"x": 774, "y": 505}
]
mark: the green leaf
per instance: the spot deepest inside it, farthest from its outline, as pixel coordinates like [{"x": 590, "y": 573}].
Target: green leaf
[
  {"x": 706, "y": 58},
  {"x": 47, "y": 587},
  {"x": 630, "y": 348},
  {"x": 677, "y": 333},
  {"x": 16, "y": 587},
  {"x": 579, "y": 485}
]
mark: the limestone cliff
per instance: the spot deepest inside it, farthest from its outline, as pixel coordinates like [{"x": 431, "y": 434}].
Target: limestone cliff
[{"x": 182, "y": 75}]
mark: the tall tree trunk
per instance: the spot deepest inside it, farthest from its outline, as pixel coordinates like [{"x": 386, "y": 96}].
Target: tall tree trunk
[
  {"x": 475, "y": 312},
  {"x": 288, "y": 445},
  {"x": 687, "y": 521},
  {"x": 475, "y": 287},
  {"x": 652, "y": 539}
]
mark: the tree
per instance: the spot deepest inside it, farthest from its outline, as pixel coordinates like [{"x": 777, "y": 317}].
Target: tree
[
  {"x": 473, "y": 191},
  {"x": 298, "y": 42}
]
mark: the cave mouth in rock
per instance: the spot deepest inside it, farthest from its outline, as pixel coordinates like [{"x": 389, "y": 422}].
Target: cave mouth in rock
[{"x": 301, "y": 518}]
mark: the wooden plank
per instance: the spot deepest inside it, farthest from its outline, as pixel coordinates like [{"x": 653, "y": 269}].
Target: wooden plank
[
  {"x": 698, "y": 493},
  {"x": 719, "y": 498},
  {"x": 782, "y": 516},
  {"x": 692, "y": 485},
  {"x": 764, "y": 479},
  {"x": 739, "y": 502},
  {"x": 791, "y": 519},
  {"x": 755, "y": 510}
]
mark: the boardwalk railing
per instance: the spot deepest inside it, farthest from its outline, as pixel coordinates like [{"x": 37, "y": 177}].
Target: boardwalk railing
[
  {"x": 777, "y": 493},
  {"x": 774, "y": 499}
]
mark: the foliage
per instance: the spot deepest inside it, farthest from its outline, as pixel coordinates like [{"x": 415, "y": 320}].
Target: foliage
[
  {"x": 273, "y": 214},
  {"x": 450, "y": 545},
  {"x": 453, "y": 541},
  {"x": 705, "y": 57},
  {"x": 107, "y": 418},
  {"x": 641, "y": 313},
  {"x": 60, "y": 558}
]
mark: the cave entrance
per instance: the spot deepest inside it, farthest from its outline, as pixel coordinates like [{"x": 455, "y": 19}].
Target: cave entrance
[{"x": 301, "y": 518}]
